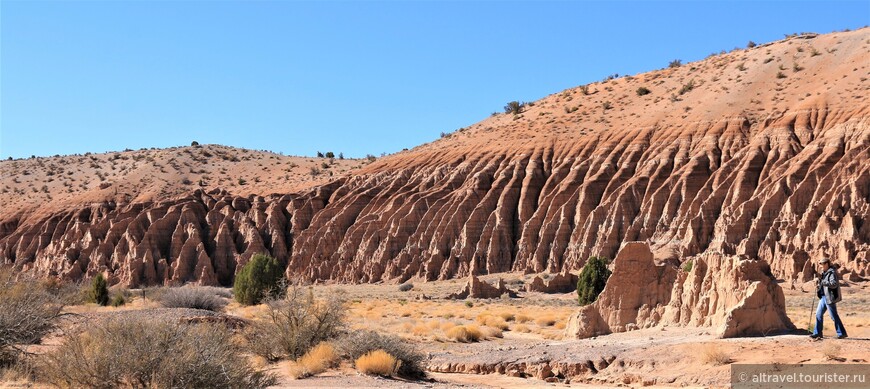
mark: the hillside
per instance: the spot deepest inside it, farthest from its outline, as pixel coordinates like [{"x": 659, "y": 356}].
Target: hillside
[
  {"x": 52, "y": 184},
  {"x": 761, "y": 153}
]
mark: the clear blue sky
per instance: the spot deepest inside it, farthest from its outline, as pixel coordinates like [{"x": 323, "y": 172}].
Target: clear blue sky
[{"x": 359, "y": 78}]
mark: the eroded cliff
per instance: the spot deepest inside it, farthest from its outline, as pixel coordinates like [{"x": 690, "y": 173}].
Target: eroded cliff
[{"x": 727, "y": 155}]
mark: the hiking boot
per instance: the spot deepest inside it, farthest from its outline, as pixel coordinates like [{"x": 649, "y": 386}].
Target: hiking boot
[
  {"x": 842, "y": 336},
  {"x": 816, "y": 336}
]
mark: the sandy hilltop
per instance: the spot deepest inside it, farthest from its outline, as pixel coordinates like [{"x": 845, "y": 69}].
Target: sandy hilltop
[
  {"x": 711, "y": 188},
  {"x": 35, "y": 187}
]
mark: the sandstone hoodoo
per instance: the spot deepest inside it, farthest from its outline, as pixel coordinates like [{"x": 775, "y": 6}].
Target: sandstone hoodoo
[
  {"x": 723, "y": 161},
  {"x": 736, "y": 296}
]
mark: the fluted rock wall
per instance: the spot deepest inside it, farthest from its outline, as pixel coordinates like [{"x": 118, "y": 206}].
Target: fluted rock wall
[
  {"x": 724, "y": 186},
  {"x": 746, "y": 163}
]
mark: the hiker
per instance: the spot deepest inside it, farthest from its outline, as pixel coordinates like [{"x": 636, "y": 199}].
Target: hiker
[{"x": 828, "y": 290}]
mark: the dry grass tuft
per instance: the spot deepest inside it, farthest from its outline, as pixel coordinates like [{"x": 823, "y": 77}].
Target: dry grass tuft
[
  {"x": 464, "y": 334},
  {"x": 491, "y": 332},
  {"x": 315, "y": 361},
  {"x": 522, "y": 318},
  {"x": 521, "y": 328},
  {"x": 492, "y": 321},
  {"x": 713, "y": 355},
  {"x": 507, "y": 316},
  {"x": 378, "y": 362},
  {"x": 545, "y": 321},
  {"x": 831, "y": 352}
]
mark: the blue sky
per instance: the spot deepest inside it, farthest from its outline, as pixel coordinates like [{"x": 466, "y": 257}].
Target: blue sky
[{"x": 352, "y": 77}]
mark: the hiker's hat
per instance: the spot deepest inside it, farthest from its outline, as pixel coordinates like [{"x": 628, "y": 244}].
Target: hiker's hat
[{"x": 824, "y": 261}]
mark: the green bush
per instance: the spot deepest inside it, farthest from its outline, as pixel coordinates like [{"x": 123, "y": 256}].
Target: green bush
[
  {"x": 514, "y": 107},
  {"x": 675, "y": 63},
  {"x": 259, "y": 279},
  {"x": 643, "y": 91},
  {"x": 687, "y": 266},
  {"x": 119, "y": 300},
  {"x": 687, "y": 87},
  {"x": 99, "y": 292},
  {"x": 592, "y": 280}
]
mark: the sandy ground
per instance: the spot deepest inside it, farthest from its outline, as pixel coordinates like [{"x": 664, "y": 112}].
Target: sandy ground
[{"x": 659, "y": 356}]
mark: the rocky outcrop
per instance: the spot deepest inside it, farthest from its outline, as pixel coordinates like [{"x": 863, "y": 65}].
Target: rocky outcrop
[
  {"x": 203, "y": 239},
  {"x": 737, "y": 296},
  {"x": 558, "y": 283},
  {"x": 767, "y": 169},
  {"x": 475, "y": 288}
]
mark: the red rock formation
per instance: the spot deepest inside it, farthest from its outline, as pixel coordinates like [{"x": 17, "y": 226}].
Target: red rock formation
[
  {"x": 738, "y": 297},
  {"x": 559, "y": 283},
  {"x": 475, "y": 288},
  {"x": 744, "y": 164}
]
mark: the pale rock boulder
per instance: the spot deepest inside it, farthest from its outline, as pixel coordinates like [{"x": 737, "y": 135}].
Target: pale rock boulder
[{"x": 736, "y": 296}]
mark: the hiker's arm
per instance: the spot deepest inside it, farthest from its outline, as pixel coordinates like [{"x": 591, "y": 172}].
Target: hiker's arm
[{"x": 830, "y": 281}]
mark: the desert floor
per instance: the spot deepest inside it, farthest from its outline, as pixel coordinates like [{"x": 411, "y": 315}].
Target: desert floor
[{"x": 529, "y": 329}]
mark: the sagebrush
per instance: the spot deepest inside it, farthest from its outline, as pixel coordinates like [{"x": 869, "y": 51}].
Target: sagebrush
[
  {"x": 28, "y": 311},
  {"x": 140, "y": 352},
  {"x": 296, "y": 323}
]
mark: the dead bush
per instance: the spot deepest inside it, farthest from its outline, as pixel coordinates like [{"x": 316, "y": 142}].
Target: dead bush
[
  {"x": 358, "y": 343},
  {"x": 714, "y": 356},
  {"x": 137, "y": 352},
  {"x": 296, "y": 323},
  {"x": 27, "y": 313},
  {"x": 195, "y": 297}
]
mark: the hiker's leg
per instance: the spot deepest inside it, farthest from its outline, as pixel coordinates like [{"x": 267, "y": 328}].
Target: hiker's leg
[
  {"x": 838, "y": 324},
  {"x": 820, "y": 316}
]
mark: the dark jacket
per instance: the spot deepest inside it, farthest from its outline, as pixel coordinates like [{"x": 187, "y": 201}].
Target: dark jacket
[{"x": 829, "y": 286}]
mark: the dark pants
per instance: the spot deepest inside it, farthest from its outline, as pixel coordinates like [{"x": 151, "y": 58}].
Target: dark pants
[{"x": 820, "y": 315}]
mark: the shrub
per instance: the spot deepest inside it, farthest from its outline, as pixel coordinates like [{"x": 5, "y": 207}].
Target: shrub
[
  {"x": 714, "y": 356},
  {"x": 358, "y": 343},
  {"x": 295, "y": 324},
  {"x": 119, "y": 300},
  {"x": 750, "y": 45},
  {"x": 27, "y": 313},
  {"x": 257, "y": 280},
  {"x": 687, "y": 87},
  {"x": 593, "y": 277},
  {"x": 780, "y": 75},
  {"x": 687, "y": 266},
  {"x": 406, "y": 287},
  {"x": 675, "y": 63},
  {"x": 469, "y": 304},
  {"x": 584, "y": 89},
  {"x": 194, "y": 143},
  {"x": 606, "y": 105},
  {"x": 194, "y": 297},
  {"x": 315, "y": 361},
  {"x": 514, "y": 107},
  {"x": 242, "y": 181},
  {"x": 643, "y": 91},
  {"x": 378, "y": 362},
  {"x": 99, "y": 292},
  {"x": 329, "y": 154},
  {"x": 143, "y": 352}
]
